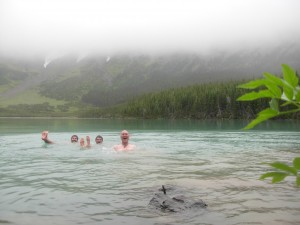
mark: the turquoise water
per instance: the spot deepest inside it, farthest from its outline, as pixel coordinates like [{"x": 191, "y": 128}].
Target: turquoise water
[{"x": 210, "y": 160}]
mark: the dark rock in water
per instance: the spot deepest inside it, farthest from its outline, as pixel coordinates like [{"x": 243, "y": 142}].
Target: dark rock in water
[
  {"x": 166, "y": 188},
  {"x": 162, "y": 201}
]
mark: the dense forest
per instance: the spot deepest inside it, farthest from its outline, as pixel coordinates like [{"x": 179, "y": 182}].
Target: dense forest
[{"x": 204, "y": 101}]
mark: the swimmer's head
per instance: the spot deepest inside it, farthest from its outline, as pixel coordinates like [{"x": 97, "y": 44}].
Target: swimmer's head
[
  {"x": 124, "y": 135},
  {"x": 99, "y": 139},
  {"x": 74, "y": 138}
]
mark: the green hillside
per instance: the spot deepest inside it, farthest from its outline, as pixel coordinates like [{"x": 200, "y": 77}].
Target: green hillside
[{"x": 69, "y": 86}]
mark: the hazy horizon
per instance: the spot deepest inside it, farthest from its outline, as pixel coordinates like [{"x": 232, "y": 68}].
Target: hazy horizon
[{"x": 58, "y": 27}]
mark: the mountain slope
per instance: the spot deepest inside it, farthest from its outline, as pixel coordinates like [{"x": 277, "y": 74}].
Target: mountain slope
[{"x": 105, "y": 81}]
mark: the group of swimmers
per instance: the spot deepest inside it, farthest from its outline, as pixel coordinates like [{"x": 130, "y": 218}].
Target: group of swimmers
[{"x": 124, "y": 146}]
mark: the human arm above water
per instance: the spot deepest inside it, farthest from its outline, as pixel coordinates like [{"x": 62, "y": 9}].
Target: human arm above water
[
  {"x": 88, "y": 142},
  {"x": 45, "y": 137}
]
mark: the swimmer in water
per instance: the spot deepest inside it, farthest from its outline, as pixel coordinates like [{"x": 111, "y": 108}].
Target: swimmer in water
[
  {"x": 88, "y": 142},
  {"x": 99, "y": 139},
  {"x": 124, "y": 146},
  {"x": 74, "y": 138}
]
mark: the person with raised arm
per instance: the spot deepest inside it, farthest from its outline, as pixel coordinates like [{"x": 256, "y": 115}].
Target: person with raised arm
[
  {"x": 74, "y": 138},
  {"x": 88, "y": 142}
]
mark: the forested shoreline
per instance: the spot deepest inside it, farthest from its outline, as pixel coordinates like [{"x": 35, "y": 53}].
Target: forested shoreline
[
  {"x": 204, "y": 101},
  {"x": 200, "y": 101}
]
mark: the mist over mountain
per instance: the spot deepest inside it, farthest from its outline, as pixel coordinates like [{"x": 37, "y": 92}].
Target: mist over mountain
[{"x": 106, "y": 80}]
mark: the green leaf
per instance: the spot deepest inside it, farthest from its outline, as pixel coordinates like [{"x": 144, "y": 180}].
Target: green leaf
[
  {"x": 256, "y": 95},
  {"x": 262, "y": 116},
  {"x": 273, "y": 79},
  {"x": 284, "y": 167},
  {"x": 274, "y": 104},
  {"x": 252, "y": 84},
  {"x": 277, "y": 176},
  {"x": 268, "y": 113},
  {"x": 288, "y": 92},
  {"x": 298, "y": 181},
  {"x": 296, "y": 163},
  {"x": 276, "y": 91},
  {"x": 269, "y": 174},
  {"x": 289, "y": 75},
  {"x": 253, "y": 123}
]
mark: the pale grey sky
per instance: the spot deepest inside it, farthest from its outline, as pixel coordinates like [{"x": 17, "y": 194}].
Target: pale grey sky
[{"x": 81, "y": 26}]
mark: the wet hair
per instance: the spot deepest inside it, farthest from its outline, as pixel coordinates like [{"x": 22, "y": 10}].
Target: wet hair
[
  {"x": 74, "y": 136},
  {"x": 99, "y": 136}
]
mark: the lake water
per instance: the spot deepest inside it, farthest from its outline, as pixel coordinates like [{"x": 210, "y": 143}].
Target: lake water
[{"x": 210, "y": 160}]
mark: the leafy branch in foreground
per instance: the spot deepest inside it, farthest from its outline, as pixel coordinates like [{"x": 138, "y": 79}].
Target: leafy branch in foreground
[
  {"x": 283, "y": 92},
  {"x": 285, "y": 171}
]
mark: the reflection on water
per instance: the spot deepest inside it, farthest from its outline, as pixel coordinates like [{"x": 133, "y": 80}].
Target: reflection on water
[
  {"x": 21, "y": 125},
  {"x": 213, "y": 161}
]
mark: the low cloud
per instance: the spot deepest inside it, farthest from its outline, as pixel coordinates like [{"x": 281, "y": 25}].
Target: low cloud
[{"x": 35, "y": 27}]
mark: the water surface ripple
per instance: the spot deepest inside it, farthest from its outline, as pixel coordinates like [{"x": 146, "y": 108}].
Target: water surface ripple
[{"x": 63, "y": 184}]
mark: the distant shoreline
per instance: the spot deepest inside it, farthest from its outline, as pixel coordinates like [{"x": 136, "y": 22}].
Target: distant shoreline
[
  {"x": 133, "y": 118},
  {"x": 47, "y": 117},
  {"x": 80, "y": 118}
]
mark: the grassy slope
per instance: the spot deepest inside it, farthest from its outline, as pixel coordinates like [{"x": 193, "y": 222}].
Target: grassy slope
[
  {"x": 30, "y": 97},
  {"x": 6, "y": 87}
]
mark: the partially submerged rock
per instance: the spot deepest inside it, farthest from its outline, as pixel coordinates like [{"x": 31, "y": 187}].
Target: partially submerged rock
[{"x": 162, "y": 201}]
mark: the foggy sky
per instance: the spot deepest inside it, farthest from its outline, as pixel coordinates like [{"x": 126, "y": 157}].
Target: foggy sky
[{"x": 106, "y": 26}]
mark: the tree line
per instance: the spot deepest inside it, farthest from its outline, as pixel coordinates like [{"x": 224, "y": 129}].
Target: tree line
[{"x": 201, "y": 101}]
